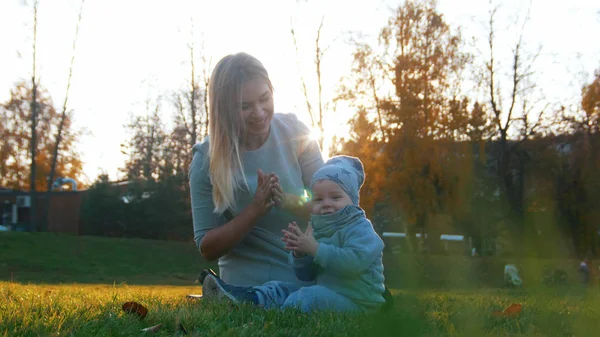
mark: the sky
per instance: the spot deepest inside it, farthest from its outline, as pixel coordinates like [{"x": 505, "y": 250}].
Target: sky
[{"x": 131, "y": 50}]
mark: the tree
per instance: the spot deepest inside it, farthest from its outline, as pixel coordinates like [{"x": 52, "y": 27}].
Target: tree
[
  {"x": 103, "y": 209},
  {"x": 146, "y": 144},
  {"x": 64, "y": 113},
  {"x": 317, "y": 116},
  {"x": 159, "y": 159},
  {"x": 409, "y": 89},
  {"x": 176, "y": 153},
  {"x": 587, "y": 119},
  {"x": 15, "y": 152},
  {"x": 34, "y": 115},
  {"x": 191, "y": 110},
  {"x": 362, "y": 144},
  {"x": 577, "y": 181},
  {"x": 140, "y": 209},
  {"x": 512, "y": 116},
  {"x": 362, "y": 88}
]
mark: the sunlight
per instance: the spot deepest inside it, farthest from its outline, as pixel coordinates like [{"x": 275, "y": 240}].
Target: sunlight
[
  {"x": 325, "y": 151},
  {"x": 306, "y": 196},
  {"x": 315, "y": 133}
]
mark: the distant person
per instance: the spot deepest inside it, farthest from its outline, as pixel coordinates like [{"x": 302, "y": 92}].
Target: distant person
[
  {"x": 341, "y": 251},
  {"x": 511, "y": 276},
  {"x": 585, "y": 271}
]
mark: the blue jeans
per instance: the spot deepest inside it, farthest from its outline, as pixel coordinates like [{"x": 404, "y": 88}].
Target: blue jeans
[{"x": 276, "y": 294}]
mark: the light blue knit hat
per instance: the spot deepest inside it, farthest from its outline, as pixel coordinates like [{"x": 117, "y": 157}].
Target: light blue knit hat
[{"x": 346, "y": 171}]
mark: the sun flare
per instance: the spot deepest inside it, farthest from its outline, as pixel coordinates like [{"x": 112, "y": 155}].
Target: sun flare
[{"x": 315, "y": 134}]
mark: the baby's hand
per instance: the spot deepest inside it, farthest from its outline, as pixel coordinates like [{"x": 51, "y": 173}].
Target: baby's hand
[
  {"x": 286, "y": 238},
  {"x": 299, "y": 242}
]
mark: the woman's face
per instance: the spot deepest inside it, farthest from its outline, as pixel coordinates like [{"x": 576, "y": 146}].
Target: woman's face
[{"x": 257, "y": 107}]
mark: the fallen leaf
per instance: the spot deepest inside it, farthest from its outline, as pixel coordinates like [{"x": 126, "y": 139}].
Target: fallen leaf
[
  {"x": 510, "y": 311},
  {"x": 135, "y": 308},
  {"x": 153, "y": 328},
  {"x": 193, "y": 297}
]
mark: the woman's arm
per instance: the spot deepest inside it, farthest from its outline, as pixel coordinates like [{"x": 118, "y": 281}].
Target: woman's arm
[
  {"x": 310, "y": 160},
  {"x": 220, "y": 240},
  {"x": 214, "y": 234}
]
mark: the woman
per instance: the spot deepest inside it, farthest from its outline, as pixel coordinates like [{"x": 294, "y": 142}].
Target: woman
[{"x": 238, "y": 208}]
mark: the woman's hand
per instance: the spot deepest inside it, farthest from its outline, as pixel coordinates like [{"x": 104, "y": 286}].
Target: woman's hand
[
  {"x": 279, "y": 197},
  {"x": 300, "y": 243},
  {"x": 263, "y": 197}
]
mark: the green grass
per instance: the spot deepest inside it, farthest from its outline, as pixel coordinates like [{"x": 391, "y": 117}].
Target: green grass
[
  {"x": 74, "y": 286},
  {"x": 61, "y": 258}
]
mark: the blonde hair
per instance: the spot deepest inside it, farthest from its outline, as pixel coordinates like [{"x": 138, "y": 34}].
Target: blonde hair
[{"x": 226, "y": 126}]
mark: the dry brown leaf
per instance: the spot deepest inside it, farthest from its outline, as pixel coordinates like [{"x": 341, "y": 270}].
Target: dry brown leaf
[
  {"x": 135, "y": 308},
  {"x": 510, "y": 311}
]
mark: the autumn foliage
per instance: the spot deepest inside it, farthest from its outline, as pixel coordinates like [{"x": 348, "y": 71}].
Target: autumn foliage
[
  {"x": 15, "y": 140},
  {"x": 439, "y": 162}
]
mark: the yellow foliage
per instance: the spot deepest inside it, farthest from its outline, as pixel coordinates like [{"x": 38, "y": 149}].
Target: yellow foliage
[{"x": 15, "y": 152}]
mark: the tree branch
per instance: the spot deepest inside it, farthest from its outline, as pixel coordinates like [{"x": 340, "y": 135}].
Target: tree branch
[
  {"x": 304, "y": 90},
  {"x": 64, "y": 109},
  {"x": 492, "y": 73}
]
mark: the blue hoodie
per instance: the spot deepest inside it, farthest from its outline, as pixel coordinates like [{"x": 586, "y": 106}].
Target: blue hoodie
[{"x": 349, "y": 258}]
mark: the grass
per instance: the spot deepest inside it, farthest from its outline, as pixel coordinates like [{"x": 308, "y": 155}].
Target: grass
[
  {"x": 61, "y": 258},
  {"x": 74, "y": 286}
]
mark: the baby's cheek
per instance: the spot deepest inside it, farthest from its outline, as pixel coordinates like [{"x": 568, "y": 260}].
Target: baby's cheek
[{"x": 315, "y": 208}]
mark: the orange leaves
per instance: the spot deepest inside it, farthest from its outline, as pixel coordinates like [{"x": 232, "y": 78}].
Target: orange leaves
[
  {"x": 15, "y": 119},
  {"x": 512, "y": 310},
  {"x": 590, "y": 100}
]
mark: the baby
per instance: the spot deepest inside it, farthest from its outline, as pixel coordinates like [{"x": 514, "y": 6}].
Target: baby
[{"x": 340, "y": 251}]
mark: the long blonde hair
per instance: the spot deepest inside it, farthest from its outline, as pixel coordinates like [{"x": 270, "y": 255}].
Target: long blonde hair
[{"x": 226, "y": 125}]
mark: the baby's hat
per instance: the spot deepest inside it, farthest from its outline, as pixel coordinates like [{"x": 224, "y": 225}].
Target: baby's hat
[{"x": 346, "y": 171}]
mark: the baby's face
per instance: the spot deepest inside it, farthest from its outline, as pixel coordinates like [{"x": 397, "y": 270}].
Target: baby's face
[{"x": 328, "y": 197}]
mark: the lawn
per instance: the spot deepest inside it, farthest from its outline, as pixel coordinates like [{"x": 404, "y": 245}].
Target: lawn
[{"x": 61, "y": 285}]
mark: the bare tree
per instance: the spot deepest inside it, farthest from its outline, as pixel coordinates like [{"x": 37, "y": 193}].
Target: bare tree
[
  {"x": 146, "y": 144},
  {"x": 316, "y": 117},
  {"x": 194, "y": 121},
  {"x": 191, "y": 107},
  {"x": 511, "y": 114},
  {"x": 207, "y": 63},
  {"x": 318, "y": 56},
  {"x": 33, "y": 215},
  {"x": 361, "y": 88},
  {"x": 303, "y": 82},
  {"x": 64, "y": 109},
  {"x": 192, "y": 97}
]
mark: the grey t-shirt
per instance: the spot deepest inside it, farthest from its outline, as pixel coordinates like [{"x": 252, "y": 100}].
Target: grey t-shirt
[{"x": 260, "y": 256}]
